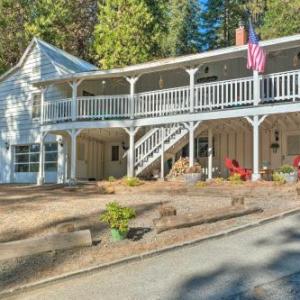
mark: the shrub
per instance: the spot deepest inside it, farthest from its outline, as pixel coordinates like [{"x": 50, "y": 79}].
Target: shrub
[
  {"x": 286, "y": 169},
  {"x": 111, "y": 179},
  {"x": 218, "y": 180},
  {"x": 235, "y": 179},
  {"x": 117, "y": 217},
  {"x": 278, "y": 178},
  {"x": 201, "y": 184},
  {"x": 132, "y": 181}
]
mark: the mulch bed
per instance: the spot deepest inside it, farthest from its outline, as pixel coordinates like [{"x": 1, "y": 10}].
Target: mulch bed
[{"x": 28, "y": 211}]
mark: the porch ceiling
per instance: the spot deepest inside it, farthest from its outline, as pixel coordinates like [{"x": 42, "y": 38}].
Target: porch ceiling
[{"x": 289, "y": 121}]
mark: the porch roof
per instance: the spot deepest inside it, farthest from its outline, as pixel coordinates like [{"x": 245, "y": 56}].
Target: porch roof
[{"x": 176, "y": 62}]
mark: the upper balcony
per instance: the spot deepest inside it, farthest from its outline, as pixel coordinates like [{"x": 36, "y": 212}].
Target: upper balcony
[
  {"x": 202, "y": 86},
  {"x": 204, "y": 97}
]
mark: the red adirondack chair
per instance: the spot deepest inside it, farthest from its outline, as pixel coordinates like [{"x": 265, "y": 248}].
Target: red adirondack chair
[
  {"x": 234, "y": 168},
  {"x": 296, "y": 164}
]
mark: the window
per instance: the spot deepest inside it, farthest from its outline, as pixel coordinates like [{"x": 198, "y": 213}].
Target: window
[
  {"x": 36, "y": 105},
  {"x": 51, "y": 157},
  {"x": 114, "y": 153},
  {"x": 293, "y": 145},
  {"x": 27, "y": 158},
  {"x": 202, "y": 147}
]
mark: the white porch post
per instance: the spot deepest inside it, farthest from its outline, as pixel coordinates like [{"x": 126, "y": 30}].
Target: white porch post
[
  {"x": 41, "y": 174},
  {"x": 192, "y": 72},
  {"x": 43, "y": 92},
  {"x": 191, "y": 145},
  {"x": 255, "y": 121},
  {"x": 191, "y": 127},
  {"x": 131, "y": 151},
  {"x": 256, "y": 85},
  {"x": 74, "y": 85},
  {"x": 210, "y": 153},
  {"x": 132, "y": 81},
  {"x": 74, "y": 100},
  {"x": 73, "y": 134},
  {"x": 162, "y": 160}
]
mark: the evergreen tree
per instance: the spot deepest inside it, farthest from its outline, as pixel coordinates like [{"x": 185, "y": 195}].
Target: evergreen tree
[
  {"x": 66, "y": 24},
  {"x": 183, "y": 25},
  {"x": 124, "y": 34},
  {"x": 220, "y": 18},
  {"x": 13, "y": 42},
  {"x": 256, "y": 10},
  {"x": 281, "y": 19}
]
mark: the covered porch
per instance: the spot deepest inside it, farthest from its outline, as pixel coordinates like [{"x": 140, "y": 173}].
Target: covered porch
[{"x": 257, "y": 143}]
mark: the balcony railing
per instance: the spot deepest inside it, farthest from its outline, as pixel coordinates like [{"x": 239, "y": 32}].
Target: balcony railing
[{"x": 284, "y": 86}]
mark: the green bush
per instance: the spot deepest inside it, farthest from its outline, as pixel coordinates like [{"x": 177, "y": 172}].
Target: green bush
[
  {"x": 218, "y": 180},
  {"x": 201, "y": 184},
  {"x": 117, "y": 217},
  {"x": 235, "y": 179},
  {"x": 132, "y": 181},
  {"x": 111, "y": 179},
  {"x": 286, "y": 169},
  {"x": 278, "y": 178}
]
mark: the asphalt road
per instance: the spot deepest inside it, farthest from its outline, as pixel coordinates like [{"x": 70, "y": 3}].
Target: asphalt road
[{"x": 216, "y": 269}]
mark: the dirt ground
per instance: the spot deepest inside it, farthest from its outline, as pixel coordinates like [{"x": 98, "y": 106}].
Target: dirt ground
[{"x": 28, "y": 211}]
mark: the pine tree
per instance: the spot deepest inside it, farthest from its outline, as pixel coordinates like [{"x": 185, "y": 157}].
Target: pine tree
[
  {"x": 281, "y": 19},
  {"x": 256, "y": 10},
  {"x": 220, "y": 18},
  {"x": 183, "y": 25},
  {"x": 124, "y": 34},
  {"x": 66, "y": 24},
  {"x": 13, "y": 41}
]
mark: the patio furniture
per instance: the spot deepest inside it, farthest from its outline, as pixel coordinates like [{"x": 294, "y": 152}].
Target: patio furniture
[
  {"x": 296, "y": 164},
  {"x": 234, "y": 168}
]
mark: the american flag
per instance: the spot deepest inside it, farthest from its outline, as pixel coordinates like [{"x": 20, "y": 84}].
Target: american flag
[{"x": 256, "y": 55}]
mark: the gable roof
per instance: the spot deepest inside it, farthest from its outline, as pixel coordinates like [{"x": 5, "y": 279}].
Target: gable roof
[
  {"x": 64, "y": 62},
  {"x": 67, "y": 62}
]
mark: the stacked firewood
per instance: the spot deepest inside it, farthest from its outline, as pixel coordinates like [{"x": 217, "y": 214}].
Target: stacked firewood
[{"x": 181, "y": 166}]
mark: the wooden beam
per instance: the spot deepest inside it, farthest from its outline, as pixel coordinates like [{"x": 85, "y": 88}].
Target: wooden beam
[
  {"x": 45, "y": 243},
  {"x": 192, "y": 219}
]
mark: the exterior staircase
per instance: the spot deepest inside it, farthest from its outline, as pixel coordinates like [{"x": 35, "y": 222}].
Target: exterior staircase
[{"x": 148, "y": 149}]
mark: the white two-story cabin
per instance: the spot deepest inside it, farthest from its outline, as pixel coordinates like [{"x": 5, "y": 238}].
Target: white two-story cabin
[{"x": 62, "y": 119}]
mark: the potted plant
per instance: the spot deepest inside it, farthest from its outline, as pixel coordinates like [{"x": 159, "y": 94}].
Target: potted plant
[
  {"x": 193, "y": 174},
  {"x": 117, "y": 217},
  {"x": 288, "y": 173}
]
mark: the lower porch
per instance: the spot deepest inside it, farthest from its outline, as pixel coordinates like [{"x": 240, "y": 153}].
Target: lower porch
[{"x": 96, "y": 154}]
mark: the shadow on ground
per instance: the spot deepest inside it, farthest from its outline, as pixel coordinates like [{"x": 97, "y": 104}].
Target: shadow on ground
[{"x": 236, "y": 289}]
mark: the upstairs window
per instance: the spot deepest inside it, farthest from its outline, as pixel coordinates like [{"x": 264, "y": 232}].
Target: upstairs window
[{"x": 36, "y": 105}]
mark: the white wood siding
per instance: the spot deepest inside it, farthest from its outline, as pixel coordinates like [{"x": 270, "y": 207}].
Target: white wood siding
[{"x": 16, "y": 123}]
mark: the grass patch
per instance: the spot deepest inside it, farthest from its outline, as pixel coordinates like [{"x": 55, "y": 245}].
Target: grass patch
[
  {"x": 132, "y": 181},
  {"x": 235, "y": 179}
]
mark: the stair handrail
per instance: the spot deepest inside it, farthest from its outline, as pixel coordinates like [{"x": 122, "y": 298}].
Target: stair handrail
[
  {"x": 142, "y": 139},
  {"x": 166, "y": 137}
]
